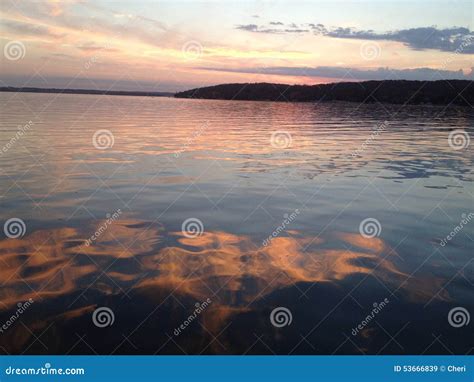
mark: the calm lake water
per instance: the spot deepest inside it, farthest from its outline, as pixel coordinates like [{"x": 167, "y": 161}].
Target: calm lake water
[{"x": 185, "y": 225}]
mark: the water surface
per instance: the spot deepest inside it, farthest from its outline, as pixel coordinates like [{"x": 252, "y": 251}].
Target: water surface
[{"x": 328, "y": 167}]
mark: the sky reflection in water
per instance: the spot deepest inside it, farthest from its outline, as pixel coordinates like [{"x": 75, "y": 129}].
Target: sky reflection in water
[{"x": 160, "y": 172}]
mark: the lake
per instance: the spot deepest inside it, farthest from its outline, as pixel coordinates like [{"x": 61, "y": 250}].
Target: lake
[{"x": 136, "y": 225}]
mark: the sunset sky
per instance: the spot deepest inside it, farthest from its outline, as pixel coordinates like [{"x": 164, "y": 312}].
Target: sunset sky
[{"x": 176, "y": 45}]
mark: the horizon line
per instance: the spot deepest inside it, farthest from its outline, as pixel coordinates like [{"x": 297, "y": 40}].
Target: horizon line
[{"x": 55, "y": 90}]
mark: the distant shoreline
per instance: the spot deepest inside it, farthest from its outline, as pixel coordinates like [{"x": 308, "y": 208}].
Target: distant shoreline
[
  {"x": 441, "y": 92},
  {"x": 12, "y": 89}
]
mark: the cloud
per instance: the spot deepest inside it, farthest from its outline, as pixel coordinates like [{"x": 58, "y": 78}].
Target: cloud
[
  {"x": 256, "y": 29},
  {"x": 293, "y": 28},
  {"x": 447, "y": 40},
  {"x": 29, "y": 30},
  {"x": 456, "y": 39},
  {"x": 296, "y": 30},
  {"x": 248, "y": 27},
  {"x": 48, "y": 21},
  {"x": 155, "y": 23},
  {"x": 91, "y": 48},
  {"x": 318, "y": 28},
  {"x": 353, "y": 74}
]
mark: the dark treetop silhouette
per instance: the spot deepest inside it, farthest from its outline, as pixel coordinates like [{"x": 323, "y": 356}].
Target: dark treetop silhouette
[{"x": 443, "y": 92}]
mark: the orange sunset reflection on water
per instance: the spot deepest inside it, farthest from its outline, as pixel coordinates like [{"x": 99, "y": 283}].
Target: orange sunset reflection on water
[{"x": 234, "y": 270}]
